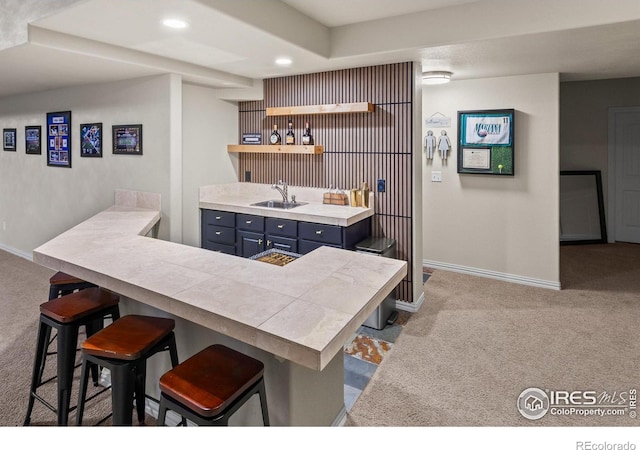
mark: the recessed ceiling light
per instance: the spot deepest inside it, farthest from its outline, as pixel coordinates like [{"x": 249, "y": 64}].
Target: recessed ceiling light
[
  {"x": 283, "y": 61},
  {"x": 436, "y": 77},
  {"x": 175, "y": 23}
]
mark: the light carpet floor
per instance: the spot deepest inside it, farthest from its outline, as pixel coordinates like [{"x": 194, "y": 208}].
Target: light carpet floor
[{"x": 464, "y": 358}]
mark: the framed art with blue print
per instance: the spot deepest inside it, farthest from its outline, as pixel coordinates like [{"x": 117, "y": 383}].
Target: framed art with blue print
[
  {"x": 59, "y": 139},
  {"x": 486, "y": 142}
]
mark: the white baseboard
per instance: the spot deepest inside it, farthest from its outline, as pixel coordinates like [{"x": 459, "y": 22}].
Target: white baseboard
[
  {"x": 15, "y": 251},
  {"x": 518, "y": 279},
  {"x": 410, "y": 307}
]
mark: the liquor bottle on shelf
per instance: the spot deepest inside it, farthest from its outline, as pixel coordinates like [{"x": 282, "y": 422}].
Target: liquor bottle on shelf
[
  {"x": 275, "y": 136},
  {"x": 307, "y": 138},
  {"x": 290, "y": 138}
]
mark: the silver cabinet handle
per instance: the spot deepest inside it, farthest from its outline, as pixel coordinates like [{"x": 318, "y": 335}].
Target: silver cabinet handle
[
  {"x": 248, "y": 222},
  {"x": 319, "y": 232},
  {"x": 259, "y": 241},
  {"x": 218, "y": 217},
  {"x": 218, "y": 233},
  {"x": 280, "y": 227},
  {"x": 268, "y": 243}
]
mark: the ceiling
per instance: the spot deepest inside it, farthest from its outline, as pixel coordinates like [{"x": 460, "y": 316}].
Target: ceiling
[{"x": 231, "y": 43}]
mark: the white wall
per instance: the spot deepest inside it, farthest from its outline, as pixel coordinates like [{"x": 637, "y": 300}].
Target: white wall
[
  {"x": 209, "y": 124},
  {"x": 504, "y": 227},
  {"x": 38, "y": 202}
]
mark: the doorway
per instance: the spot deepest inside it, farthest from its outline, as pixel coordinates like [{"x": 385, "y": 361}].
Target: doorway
[{"x": 624, "y": 175}]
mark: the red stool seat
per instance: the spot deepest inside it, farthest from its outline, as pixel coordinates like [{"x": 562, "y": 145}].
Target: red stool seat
[
  {"x": 124, "y": 348},
  {"x": 211, "y": 385}
]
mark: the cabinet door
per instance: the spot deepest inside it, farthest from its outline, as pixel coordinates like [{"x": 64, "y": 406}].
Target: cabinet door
[
  {"x": 282, "y": 243},
  {"x": 249, "y": 243}
]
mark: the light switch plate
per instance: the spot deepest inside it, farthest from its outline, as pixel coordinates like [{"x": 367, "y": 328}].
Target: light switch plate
[{"x": 436, "y": 176}]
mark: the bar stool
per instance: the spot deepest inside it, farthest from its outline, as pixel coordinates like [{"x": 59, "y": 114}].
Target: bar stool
[
  {"x": 124, "y": 348},
  {"x": 66, "y": 315},
  {"x": 63, "y": 284},
  {"x": 212, "y": 385}
]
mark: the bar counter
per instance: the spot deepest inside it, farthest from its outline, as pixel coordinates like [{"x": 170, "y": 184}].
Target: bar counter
[{"x": 302, "y": 313}]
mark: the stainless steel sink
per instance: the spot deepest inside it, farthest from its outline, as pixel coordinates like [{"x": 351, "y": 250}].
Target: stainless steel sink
[{"x": 278, "y": 204}]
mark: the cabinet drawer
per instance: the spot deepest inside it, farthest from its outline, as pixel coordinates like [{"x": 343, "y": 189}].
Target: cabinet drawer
[
  {"x": 282, "y": 243},
  {"x": 281, "y": 227},
  {"x": 223, "y": 248},
  {"x": 221, "y": 235},
  {"x": 305, "y": 246},
  {"x": 220, "y": 218},
  {"x": 249, "y": 222},
  {"x": 327, "y": 234}
]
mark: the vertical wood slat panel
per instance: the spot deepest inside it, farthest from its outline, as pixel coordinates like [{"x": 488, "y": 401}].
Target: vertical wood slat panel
[{"x": 357, "y": 147}]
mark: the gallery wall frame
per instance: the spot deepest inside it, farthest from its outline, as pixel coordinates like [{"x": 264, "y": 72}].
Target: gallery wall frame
[
  {"x": 486, "y": 142},
  {"x": 9, "y": 139},
  {"x": 582, "y": 215},
  {"x": 127, "y": 139},
  {"x": 91, "y": 140},
  {"x": 33, "y": 139},
  {"x": 59, "y": 139}
]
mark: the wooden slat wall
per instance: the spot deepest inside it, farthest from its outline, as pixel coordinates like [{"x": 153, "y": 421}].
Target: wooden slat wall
[{"x": 357, "y": 147}]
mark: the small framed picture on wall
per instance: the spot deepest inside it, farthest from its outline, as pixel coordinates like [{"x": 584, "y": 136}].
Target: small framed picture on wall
[
  {"x": 59, "y": 139},
  {"x": 9, "y": 139},
  {"x": 127, "y": 139},
  {"x": 33, "y": 139},
  {"x": 486, "y": 142},
  {"x": 91, "y": 140}
]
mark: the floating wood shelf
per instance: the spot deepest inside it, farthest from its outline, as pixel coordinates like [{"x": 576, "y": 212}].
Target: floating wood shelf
[
  {"x": 283, "y": 149},
  {"x": 336, "y": 108}
]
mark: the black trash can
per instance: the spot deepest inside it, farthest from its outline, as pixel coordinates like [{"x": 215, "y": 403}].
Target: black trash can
[{"x": 386, "y": 312}]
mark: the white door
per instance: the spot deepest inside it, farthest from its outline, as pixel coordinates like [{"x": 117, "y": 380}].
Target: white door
[{"x": 627, "y": 175}]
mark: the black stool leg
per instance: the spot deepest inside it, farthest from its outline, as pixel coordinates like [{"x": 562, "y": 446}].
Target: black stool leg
[
  {"x": 38, "y": 366},
  {"x": 123, "y": 380},
  {"x": 91, "y": 328},
  {"x": 263, "y": 404},
  {"x": 84, "y": 378},
  {"x": 162, "y": 411},
  {"x": 141, "y": 379},
  {"x": 67, "y": 340}
]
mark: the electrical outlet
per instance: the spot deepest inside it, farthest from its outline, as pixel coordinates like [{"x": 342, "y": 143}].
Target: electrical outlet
[
  {"x": 436, "y": 176},
  {"x": 382, "y": 185},
  {"x": 247, "y": 175}
]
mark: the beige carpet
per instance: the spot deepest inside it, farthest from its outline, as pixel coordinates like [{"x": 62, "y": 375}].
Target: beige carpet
[
  {"x": 23, "y": 287},
  {"x": 464, "y": 358}
]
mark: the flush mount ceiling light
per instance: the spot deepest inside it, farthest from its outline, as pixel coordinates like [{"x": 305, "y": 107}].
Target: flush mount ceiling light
[
  {"x": 436, "y": 77},
  {"x": 175, "y": 23},
  {"x": 283, "y": 61}
]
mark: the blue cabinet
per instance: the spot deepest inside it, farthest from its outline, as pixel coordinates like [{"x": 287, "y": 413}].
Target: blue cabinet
[{"x": 247, "y": 234}]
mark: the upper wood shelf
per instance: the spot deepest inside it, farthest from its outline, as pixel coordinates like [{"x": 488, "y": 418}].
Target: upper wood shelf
[
  {"x": 336, "y": 108},
  {"x": 284, "y": 149}
]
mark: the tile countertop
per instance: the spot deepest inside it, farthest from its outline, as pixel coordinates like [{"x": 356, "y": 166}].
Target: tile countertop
[
  {"x": 238, "y": 197},
  {"x": 303, "y": 312}
]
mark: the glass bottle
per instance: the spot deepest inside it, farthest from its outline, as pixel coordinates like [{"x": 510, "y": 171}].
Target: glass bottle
[
  {"x": 290, "y": 138},
  {"x": 307, "y": 138},
  {"x": 275, "y": 139}
]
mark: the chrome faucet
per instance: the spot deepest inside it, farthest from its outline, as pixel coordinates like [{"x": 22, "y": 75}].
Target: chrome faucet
[{"x": 284, "y": 190}]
